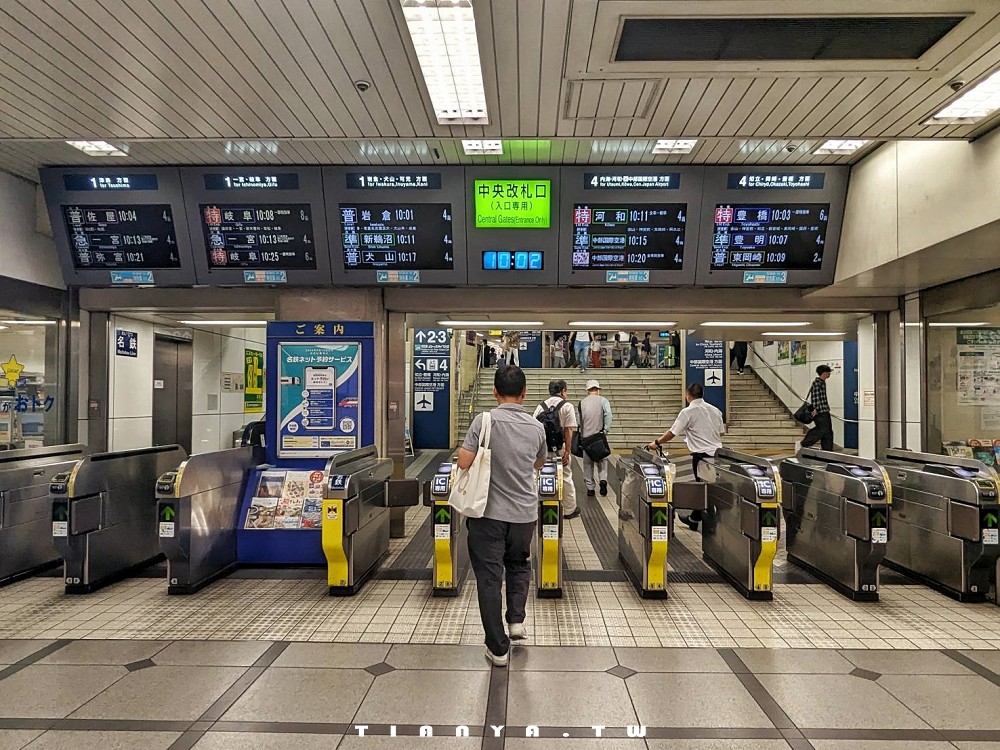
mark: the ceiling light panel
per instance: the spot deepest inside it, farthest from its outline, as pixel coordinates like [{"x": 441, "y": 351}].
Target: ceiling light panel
[
  {"x": 840, "y": 147},
  {"x": 749, "y": 324},
  {"x": 494, "y": 324},
  {"x": 98, "y": 148},
  {"x": 622, "y": 323},
  {"x": 233, "y": 323},
  {"x": 473, "y": 147},
  {"x": 674, "y": 146},
  {"x": 978, "y": 102},
  {"x": 796, "y": 334},
  {"x": 444, "y": 37}
]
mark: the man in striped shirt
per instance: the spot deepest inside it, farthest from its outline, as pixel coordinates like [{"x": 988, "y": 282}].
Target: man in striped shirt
[{"x": 822, "y": 431}]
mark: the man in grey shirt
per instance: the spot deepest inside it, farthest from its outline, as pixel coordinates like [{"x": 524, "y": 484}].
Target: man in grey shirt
[
  {"x": 595, "y": 418},
  {"x": 500, "y": 541}
]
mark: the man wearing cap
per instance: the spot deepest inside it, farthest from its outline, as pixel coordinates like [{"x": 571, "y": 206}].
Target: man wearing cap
[{"x": 595, "y": 420}]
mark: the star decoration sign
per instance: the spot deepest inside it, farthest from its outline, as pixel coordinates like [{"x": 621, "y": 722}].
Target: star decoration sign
[{"x": 12, "y": 370}]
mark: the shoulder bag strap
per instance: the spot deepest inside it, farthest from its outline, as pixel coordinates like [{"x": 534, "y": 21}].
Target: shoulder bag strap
[{"x": 484, "y": 436}]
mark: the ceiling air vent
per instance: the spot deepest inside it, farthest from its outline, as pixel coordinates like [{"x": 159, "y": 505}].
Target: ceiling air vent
[{"x": 733, "y": 39}]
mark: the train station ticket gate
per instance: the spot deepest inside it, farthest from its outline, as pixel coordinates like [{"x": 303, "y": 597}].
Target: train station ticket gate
[
  {"x": 740, "y": 523},
  {"x": 836, "y": 510},
  {"x": 451, "y": 548},
  {"x": 198, "y": 513},
  {"x": 103, "y": 514},
  {"x": 355, "y": 520},
  {"x": 25, "y": 508},
  {"x": 945, "y": 520},
  {"x": 548, "y": 552},
  {"x": 643, "y": 483}
]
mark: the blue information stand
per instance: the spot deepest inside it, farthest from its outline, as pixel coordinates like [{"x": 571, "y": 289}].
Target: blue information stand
[{"x": 705, "y": 362}]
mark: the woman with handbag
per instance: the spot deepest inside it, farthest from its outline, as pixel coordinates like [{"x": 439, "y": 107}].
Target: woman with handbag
[
  {"x": 495, "y": 491},
  {"x": 595, "y": 422}
]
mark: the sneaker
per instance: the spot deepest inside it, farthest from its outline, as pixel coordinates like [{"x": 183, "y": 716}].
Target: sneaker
[
  {"x": 604, "y": 488},
  {"x": 496, "y": 661},
  {"x": 590, "y": 493},
  {"x": 571, "y": 516},
  {"x": 693, "y": 525},
  {"x": 516, "y": 631}
]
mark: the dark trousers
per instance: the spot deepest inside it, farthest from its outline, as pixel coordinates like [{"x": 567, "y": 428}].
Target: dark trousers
[
  {"x": 633, "y": 358},
  {"x": 499, "y": 550},
  {"x": 739, "y": 353},
  {"x": 696, "y": 458},
  {"x": 822, "y": 432}
]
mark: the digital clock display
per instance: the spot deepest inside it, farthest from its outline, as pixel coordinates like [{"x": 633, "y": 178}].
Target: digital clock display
[
  {"x": 110, "y": 182},
  {"x": 130, "y": 236},
  {"x": 787, "y": 236},
  {"x": 629, "y": 236},
  {"x": 271, "y": 235},
  {"x": 411, "y": 236},
  {"x": 285, "y": 181}
]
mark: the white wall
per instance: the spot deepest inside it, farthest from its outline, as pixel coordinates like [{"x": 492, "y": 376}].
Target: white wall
[
  {"x": 215, "y": 415},
  {"x": 25, "y": 254},
  {"x": 866, "y": 384}
]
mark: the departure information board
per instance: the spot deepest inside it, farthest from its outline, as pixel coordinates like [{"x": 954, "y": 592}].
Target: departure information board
[
  {"x": 636, "y": 236},
  {"x": 780, "y": 236},
  {"x": 140, "y": 236},
  {"x": 263, "y": 235},
  {"x": 413, "y": 236}
]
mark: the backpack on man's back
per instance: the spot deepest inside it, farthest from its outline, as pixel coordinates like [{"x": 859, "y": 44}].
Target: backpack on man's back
[{"x": 551, "y": 421}]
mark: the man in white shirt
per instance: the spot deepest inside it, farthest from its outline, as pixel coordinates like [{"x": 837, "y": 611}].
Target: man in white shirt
[
  {"x": 701, "y": 426},
  {"x": 561, "y": 448}
]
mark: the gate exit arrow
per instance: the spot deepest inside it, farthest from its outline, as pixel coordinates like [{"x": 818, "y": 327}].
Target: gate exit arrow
[
  {"x": 659, "y": 517},
  {"x": 167, "y": 513},
  {"x": 61, "y": 513},
  {"x": 991, "y": 520},
  {"x": 442, "y": 515},
  {"x": 551, "y": 515},
  {"x": 769, "y": 518},
  {"x": 878, "y": 518}
]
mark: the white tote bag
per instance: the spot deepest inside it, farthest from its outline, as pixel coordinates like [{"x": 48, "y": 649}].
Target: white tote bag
[{"x": 472, "y": 485}]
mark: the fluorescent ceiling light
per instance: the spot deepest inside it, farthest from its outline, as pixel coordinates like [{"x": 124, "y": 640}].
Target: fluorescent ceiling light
[
  {"x": 234, "y": 323},
  {"x": 444, "y": 37},
  {"x": 954, "y": 325},
  {"x": 747, "y": 324},
  {"x": 622, "y": 323},
  {"x": 972, "y": 106},
  {"x": 675, "y": 145},
  {"x": 473, "y": 147},
  {"x": 251, "y": 147},
  {"x": 99, "y": 148},
  {"x": 794, "y": 334},
  {"x": 494, "y": 324},
  {"x": 28, "y": 322},
  {"x": 839, "y": 147}
]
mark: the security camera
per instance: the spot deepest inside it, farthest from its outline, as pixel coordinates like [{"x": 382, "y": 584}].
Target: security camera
[
  {"x": 956, "y": 85},
  {"x": 362, "y": 86}
]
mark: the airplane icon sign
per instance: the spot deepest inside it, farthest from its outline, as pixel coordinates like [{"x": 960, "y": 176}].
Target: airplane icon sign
[
  {"x": 424, "y": 401},
  {"x": 713, "y": 377}
]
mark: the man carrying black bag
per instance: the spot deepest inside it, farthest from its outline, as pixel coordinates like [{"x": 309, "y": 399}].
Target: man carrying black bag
[{"x": 595, "y": 422}]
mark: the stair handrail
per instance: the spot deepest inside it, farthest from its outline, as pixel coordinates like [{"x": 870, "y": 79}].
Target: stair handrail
[{"x": 791, "y": 390}]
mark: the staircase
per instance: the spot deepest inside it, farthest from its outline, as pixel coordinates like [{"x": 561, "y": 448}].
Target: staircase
[
  {"x": 644, "y": 402},
  {"x": 758, "y": 422}
]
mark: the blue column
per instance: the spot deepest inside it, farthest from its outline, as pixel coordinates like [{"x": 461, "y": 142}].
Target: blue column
[{"x": 705, "y": 363}]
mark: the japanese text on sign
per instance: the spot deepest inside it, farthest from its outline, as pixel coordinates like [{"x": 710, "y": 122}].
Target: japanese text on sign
[{"x": 512, "y": 204}]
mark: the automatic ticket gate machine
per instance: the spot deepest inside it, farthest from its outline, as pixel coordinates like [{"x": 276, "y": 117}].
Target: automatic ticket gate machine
[
  {"x": 104, "y": 521},
  {"x": 355, "y": 516},
  {"x": 945, "y": 519},
  {"x": 25, "y": 508},
  {"x": 451, "y": 548},
  {"x": 198, "y": 514},
  {"x": 548, "y": 553},
  {"x": 740, "y": 523},
  {"x": 643, "y": 483},
  {"x": 836, "y": 511}
]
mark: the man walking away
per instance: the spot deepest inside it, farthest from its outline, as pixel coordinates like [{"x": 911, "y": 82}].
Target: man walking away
[
  {"x": 822, "y": 431},
  {"x": 633, "y": 355},
  {"x": 582, "y": 348},
  {"x": 739, "y": 354},
  {"x": 616, "y": 351},
  {"x": 701, "y": 426},
  {"x": 514, "y": 345},
  {"x": 595, "y": 419},
  {"x": 571, "y": 350},
  {"x": 647, "y": 350},
  {"x": 558, "y": 418},
  {"x": 500, "y": 541}
]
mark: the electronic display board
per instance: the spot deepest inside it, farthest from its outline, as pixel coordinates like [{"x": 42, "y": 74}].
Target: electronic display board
[
  {"x": 397, "y": 226},
  {"x": 771, "y": 227},
  {"x": 629, "y": 225},
  {"x": 513, "y": 228},
  {"x": 115, "y": 226},
  {"x": 254, "y": 225}
]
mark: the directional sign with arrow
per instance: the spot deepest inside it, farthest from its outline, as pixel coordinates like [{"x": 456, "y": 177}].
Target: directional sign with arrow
[
  {"x": 442, "y": 515},
  {"x": 878, "y": 518},
  {"x": 768, "y": 517},
  {"x": 167, "y": 512},
  {"x": 989, "y": 522},
  {"x": 550, "y": 515},
  {"x": 659, "y": 518}
]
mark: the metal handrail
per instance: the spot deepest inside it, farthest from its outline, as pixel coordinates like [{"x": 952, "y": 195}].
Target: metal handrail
[{"x": 791, "y": 390}]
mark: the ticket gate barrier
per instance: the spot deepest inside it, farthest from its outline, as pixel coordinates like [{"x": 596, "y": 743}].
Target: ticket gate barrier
[
  {"x": 103, "y": 514},
  {"x": 548, "y": 553},
  {"x": 740, "y": 523},
  {"x": 451, "y": 546},
  {"x": 355, "y": 523},
  {"x": 945, "y": 519},
  {"x": 643, "y": 483},
  {"x": 198, "y": 513},
  {"x": 836, "y": 510},
  {"x": 25, "y": 508}
]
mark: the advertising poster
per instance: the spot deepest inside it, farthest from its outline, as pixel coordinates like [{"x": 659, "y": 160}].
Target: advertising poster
[
  {"x": 978, "y": 366},
  {"x": 800, "y": 352},
  {"x": 319, "y": 399},
  {"x": 783, "y": 351},
  {"x": 253, "y": 381},
  {"x": 706, "y": 364}
]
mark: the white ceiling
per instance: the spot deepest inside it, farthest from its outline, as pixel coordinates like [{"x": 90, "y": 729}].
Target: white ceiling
[{"x": 191, "y": 81}]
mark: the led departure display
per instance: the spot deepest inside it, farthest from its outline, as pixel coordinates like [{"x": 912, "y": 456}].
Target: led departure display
[
  {"x": 636, "y": 236},
  {"x": 412, "y": 236},
  {"x": 258, "y": 236},
  {"x": 228, "y": 181},
  {"x": 125, "y": 236},
  {"x": 393, "y": 180},
  {"x": 779, "y": 236},
  {"x": 110, "y": 182}
]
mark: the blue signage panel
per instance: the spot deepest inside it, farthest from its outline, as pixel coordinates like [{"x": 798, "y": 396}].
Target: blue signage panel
[
  {"x": 431, "y": 388},
  {"x": 705, "y": 363},
  {"x": 531, "y": 349},
  {"x": 851, "y": 394},
  {"x": 126, "y": 343}
]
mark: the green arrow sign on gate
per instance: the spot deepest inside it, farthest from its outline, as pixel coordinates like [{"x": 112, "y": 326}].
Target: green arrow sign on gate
[
  {"x": 768, "y": 517},
  {"x": 167, "y": 513},
  {"x": 659, "y": 517},
  {"x": 878, "y": 518},
  {"x": 442, "y": 515},
  {"x": 990, "y": 519},
  {"x": 550, "y": 515},
  {"x": 60, "y": 512}
]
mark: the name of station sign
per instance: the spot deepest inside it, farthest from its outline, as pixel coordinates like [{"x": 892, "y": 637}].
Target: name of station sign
[
  {"x": 110, "y": 182},
  {"x": 393, "y": 180},
  {"x": 286, "y": 181},
  {"x": 776, "y": 181},
  {"x": 661, "y": 181}
]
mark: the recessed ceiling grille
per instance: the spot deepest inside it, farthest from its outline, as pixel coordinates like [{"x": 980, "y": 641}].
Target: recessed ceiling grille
[{"x": 705, "y": 39}]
